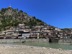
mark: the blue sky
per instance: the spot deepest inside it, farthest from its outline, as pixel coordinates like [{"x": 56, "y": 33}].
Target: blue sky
[{"x": 54, "y": 12}]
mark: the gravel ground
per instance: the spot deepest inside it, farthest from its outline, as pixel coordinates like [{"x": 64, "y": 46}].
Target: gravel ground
[{"x": 23, "y": 49}]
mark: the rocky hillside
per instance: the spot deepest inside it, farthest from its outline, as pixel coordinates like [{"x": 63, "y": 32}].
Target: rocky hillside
[{"x": 12, "y": 17}]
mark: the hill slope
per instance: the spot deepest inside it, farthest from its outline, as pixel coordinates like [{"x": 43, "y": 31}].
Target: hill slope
[{"x": 12, "y": 17}]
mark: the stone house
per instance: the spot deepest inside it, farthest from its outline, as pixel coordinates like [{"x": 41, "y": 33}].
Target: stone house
[
  {"x": 57, "y": 29},
  {"x": 23, "y": 35}
]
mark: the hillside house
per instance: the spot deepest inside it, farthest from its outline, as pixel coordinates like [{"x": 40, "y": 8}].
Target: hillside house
[
  {"x": 24, "y": 35},
  {"x": 35, "y": 34},
  {"x": 21, "y": 26},
  {"x": 57, "y": 29}
]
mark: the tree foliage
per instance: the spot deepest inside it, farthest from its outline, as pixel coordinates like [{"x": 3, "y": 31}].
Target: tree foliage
[{"x": 15, "y": 17}]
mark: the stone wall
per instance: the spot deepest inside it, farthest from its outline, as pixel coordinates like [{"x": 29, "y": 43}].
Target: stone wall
[
  {"x": 11, "y": 40},
  {"x": 65, "y": 41},
  {"x": 32, "y": 40}
]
